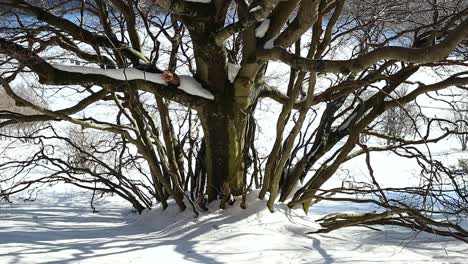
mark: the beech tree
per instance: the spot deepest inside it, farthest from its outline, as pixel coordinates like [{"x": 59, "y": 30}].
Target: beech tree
[{"x": 206, "y": 62}]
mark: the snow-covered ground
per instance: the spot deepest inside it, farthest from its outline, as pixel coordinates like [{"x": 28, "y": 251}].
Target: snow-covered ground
[{"x": 59, "y": 227}]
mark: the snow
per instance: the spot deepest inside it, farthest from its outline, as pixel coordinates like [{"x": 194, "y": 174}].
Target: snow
[
  {"x": 255, "y": 9},
  {"x": 199, "y": 1},
  {"x": 191, "y": 86},
  {"x": 187, "y": 83},
  {"x": 59, "y": 228},
  {"x": 233, "y": 70},
  {"x": 261, "y": 30},
  {"x": 270, "y": 43}
]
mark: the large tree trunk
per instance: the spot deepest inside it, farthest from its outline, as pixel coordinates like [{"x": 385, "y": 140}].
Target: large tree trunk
[
  {"x": 224, "y": 121},
  {"x": 224, "y": 140}
]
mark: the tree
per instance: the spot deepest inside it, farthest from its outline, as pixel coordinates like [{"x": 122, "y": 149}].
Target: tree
[
  {"x": 460, "y": 117},
  {"x": 8, "y": 104},
  {"x": 336, "y": 50},
  {"x": 399, "y": 122}
]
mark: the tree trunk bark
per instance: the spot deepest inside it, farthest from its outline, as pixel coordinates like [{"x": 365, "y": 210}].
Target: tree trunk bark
[
  {"x": 224, "y": 140},
  {"x": 225, "y": 120}
]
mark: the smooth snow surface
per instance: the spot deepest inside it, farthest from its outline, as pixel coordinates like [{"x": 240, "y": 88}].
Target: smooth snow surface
[
  {"x": 187, "y": 83},
  {"x": 60, "y": 228}
]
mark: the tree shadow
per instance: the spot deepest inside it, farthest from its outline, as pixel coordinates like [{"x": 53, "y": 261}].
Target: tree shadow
[
  {"x": 327, "y": 258},
  {"x": 42, "y": 229},
  {"x": 391, "y": 241}
]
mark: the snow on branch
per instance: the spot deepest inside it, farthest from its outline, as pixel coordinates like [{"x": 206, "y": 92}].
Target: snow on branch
[
  {"x": 261, "y": 30},
  {"x": 188, "y": 84}
]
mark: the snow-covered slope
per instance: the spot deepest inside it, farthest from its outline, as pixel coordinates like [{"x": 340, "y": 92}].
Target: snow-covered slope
[{"x": 60, "y": 228}]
